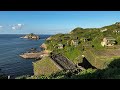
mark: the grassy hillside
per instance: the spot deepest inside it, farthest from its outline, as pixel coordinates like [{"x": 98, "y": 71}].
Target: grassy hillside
[
  {"x": 93, "y": 37},
  {"x": 111, "y": 72},
  {"x": 85, "y": 42},
  {"x": 45, "y": 66}
]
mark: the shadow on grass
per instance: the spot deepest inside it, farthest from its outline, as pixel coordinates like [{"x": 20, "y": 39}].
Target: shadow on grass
[
  {"x": 3, "y": 76},
  {"x": 86, "y": 64},
  {"x": 111, "y": 72}
]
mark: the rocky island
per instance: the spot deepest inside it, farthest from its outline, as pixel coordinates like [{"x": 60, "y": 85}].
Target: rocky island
[{"x": 31, "y": 36}]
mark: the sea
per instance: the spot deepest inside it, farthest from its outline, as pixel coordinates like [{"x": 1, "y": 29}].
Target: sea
[{"x": 11, "y": 46}]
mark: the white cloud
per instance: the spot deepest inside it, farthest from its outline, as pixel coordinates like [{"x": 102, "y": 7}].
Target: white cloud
[
  {"x": 17, "y": 26},
  {"x": 1, "y": 27},
  {"x": 13, "y": 28}
]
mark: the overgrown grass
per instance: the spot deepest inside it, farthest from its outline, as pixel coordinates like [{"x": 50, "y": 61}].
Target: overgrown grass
[
  {"x": 111, "y": 72},
  {"x": 72, "y": 53},
  {"x": 45, "y": 66}
]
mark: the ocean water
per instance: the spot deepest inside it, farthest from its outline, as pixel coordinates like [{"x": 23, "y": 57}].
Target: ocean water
[{"x": 11, "y": 46}]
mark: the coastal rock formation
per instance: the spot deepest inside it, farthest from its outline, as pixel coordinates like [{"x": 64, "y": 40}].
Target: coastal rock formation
[
  {"x": 31, "y": 36},
  {"x": 35, "y": 55},
  {"x": 31, "y": 55},
  {"x": 49, "y": 38},
  {"x": 44, "y": 46}
]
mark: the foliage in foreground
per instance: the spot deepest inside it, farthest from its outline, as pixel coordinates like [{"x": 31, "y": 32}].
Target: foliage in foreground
[
  {"x": 3, "y": 77},
  {"x": 111, "y": 72}
]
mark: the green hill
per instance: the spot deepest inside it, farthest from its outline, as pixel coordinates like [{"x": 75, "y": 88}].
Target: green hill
[
  {"x": 86, "y": 39},
  {"x": 87, "y": 42}
]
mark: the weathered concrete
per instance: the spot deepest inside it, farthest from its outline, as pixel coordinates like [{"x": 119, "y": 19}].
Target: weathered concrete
[
  {"x": 63, "y": 62},
  {"x": 33, "y": 55}
]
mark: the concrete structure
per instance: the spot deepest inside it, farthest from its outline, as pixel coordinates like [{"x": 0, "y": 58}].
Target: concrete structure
[
  {"x": 60, "y": 46},
  {"x": 117, "y": 23},
  {"x": 103, "y": 30},
  {"x": 55, "y": 63},
  {"x": 108, "y": 41},
  {"x": 116, "y": 31},
  {"x": 74, "y": 42}
]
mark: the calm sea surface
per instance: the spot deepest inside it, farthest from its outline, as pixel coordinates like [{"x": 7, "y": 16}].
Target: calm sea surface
[{"x": 10, "y": 48}]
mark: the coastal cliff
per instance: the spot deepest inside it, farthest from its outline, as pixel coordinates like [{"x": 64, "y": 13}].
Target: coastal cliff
[{"x": 43, "y": 46}]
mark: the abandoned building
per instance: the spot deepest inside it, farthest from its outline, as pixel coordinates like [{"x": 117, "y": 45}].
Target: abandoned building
[
  {"x": 74, "y": 42},
  {"x": 52, "y": 64},
  {"x": 103, "y": 30},
  {"x": 108, "y": 41},
  {"x": 66, "y": 38},
  {"x": 60, "y": 46},
  {"x": 83, "y": 39},
  {"x": 117, "y": 23},
  {"x": 116, "y": 31}
]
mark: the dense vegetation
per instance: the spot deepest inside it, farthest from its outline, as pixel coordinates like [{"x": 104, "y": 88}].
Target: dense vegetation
[
  {"x": 89, "y": 39},
  {"x": 3, "y": 76},
  {"x": 111, "y": 72},
  {"x": 86, "y": 42}
]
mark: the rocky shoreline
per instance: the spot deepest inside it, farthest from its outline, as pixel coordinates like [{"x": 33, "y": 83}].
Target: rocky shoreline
[
  {"x": 35, "y": 54},
  {"x": 43, "y": 46}
]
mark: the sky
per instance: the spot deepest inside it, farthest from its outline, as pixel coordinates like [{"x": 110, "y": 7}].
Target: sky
[{"x": 52, "y": 22}]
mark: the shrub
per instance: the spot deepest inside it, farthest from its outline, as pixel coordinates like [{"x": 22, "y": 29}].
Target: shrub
[
  {"x": 23, "y": 77},
  {"x": 115, "y": 64}
]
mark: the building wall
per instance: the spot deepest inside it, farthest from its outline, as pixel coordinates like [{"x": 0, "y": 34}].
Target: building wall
[{"x": 105, "y": 43}]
